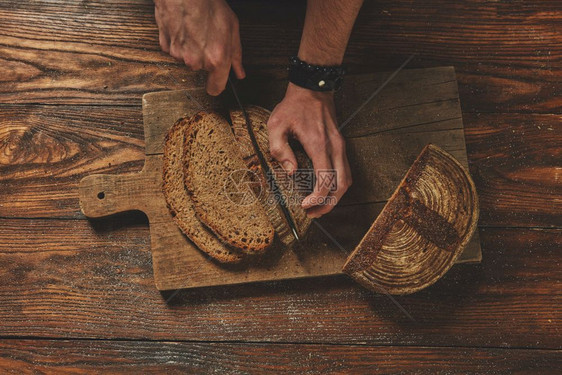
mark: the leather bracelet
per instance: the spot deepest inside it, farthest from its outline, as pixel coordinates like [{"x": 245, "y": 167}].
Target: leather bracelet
[{"x": 315, "y": 77}]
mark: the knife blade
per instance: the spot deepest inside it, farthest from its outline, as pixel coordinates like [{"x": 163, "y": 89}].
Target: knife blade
[{"x": 265, "y": 167}]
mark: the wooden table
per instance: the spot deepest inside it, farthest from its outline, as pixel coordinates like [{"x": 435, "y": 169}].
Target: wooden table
[{"x": 77, "y": 295}]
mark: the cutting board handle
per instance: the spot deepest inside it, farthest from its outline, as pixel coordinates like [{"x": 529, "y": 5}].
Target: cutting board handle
[{"x": 103, "y": 194}]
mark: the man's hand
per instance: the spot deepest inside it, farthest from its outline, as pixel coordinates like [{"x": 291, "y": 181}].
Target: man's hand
[
  {"x": 204, "y": 34},
  {"x": 310, "y": 117}
]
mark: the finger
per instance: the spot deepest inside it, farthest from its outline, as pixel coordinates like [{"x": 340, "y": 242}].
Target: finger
[
  {"x": 341, "y": 166},
  {"x": 175, "y": 51},
  {"x": 238, "y": 69},
  {"x": 280, "y": 149},
  {"x": 216, "y": 81},
  {"x": 342, "y": 176},
  {"x": 164, "y": 41},
  {"x": 237, "y": 55},
  {"x": 318, "y": 211},
  {"x": 193, "y": 61},
  {"x": 340, "y": 163},
  {"x": 317, "y": 150}
]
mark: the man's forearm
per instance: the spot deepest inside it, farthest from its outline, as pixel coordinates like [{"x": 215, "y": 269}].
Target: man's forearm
[
  {"x": 308, "y": 115},
  {"x": 326, "y": 30}
]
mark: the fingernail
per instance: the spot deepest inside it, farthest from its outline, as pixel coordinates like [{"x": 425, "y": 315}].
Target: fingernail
[
  {"x": 313, "y": 215},
  {"x": 288, "y": 166}
]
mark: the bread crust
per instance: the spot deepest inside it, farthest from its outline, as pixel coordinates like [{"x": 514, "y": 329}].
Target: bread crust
[
  {"x": 422, "y": 229},
  {"x": 180, "y": 204}
]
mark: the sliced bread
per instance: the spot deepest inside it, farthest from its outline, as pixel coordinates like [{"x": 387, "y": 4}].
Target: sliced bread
[
  {"x": 218, "y": 181},
  {"x": 293, "y": 196},
  {"x": 180, "y": 203}
]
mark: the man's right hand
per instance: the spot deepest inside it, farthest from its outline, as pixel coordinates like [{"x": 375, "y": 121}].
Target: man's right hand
[{"x": 204, "y": 34}]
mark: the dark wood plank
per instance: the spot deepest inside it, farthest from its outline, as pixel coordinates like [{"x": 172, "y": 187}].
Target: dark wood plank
[
  {"x": 506, "y": 54},
  {"x": 70, "y": 279},
  {"x": 46, "y": 150},
  {"x": 95, "y": 52},
  {"x": 496, "y": 47},
  {"x": 515, "y": 163},
  {"x": 93, "y": 357}
]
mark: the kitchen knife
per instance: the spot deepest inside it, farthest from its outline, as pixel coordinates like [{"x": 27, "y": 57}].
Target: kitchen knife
[{"x": 265, "y": 167}]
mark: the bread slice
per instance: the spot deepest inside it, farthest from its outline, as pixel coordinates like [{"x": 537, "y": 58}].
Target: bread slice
[
  {"x": 180, "y": 203},
  {"x": 293, "y": 197},
  {"x": 221, "y": 187},
  {"x": 421, "y": 230}
]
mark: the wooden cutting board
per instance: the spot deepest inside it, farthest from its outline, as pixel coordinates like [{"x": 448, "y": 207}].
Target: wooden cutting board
[{"x": 417, "y": 107}]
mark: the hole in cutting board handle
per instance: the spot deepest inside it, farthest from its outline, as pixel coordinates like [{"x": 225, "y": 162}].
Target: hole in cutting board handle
[{"x": 101, "y": 195}]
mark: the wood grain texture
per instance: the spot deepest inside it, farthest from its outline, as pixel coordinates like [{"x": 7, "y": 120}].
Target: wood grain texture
[
  {"x": 45, "y": 151},
  {"x": 507, "y": 55},
  {"x": 516, "y": 165},
  {"x": 105, "y": 290},
  {"x": 67, "y": 278},
  {"x": 93, "y": 357}
]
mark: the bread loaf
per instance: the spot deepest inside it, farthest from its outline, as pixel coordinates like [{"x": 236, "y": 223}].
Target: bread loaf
[
  {"x": 180, "y": 203},
  {"x": 216, "y": 177},
  {"x": 422, "y": 229}
]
